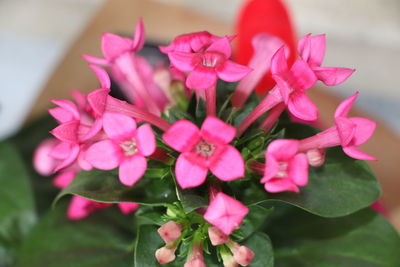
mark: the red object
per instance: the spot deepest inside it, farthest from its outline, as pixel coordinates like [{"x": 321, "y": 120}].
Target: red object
[{"x": 269, "y": 16}]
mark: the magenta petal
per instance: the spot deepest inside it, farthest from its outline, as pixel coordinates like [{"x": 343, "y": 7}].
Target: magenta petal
[
  {"x": 302, "y": 76},
  {"x": 364, "y": 130},
  {"x": 283, "y": 86},
  {"x": 221, "y": 45},
  {"x": 302, "y": 107},
  {"x": 232, "y": 72},
  {"x": 229, "y": 165},
  {"x": 344, "y": 107},
  {"x": 102, "y": 76},
  {"x": 104, "y": 155},
  {"x": 332, "y": 76},
  {"x": 61, "y": 114},
  {"x": 69, "y": 106},
  {"x": 346, "y": 129},
  {"x": 72, "y": 156},
  {"x": 61, "y": 150},
  {"x": 132, "y": 169},
  {"x": 139, "y": 37},
  {"x": 283, "y": 149},
  {"x": 96, "y": 60},
  {"x": 94, "y": 129},
  {"x": 182, "y": 61},
  {"x": 77, "y": 208},
  {"x": 317, "y": 51},
  {"x": 146, "y": 141},
  {"x": 304, "y": 47},
  {"x": 271, "y": 168},
  {"x": 43, "y": 162},
  {"x": 189, "y": 174},
  {"x": 216, "y": 129},
  {"x": 182, "y": 135},
  {"x": 355, "y": 152},
  {"x": 113, "y": 45},
  {"x": 201, "y": 78},
  {"x": 127, "y": 207},
  {"x": 64, "y": 178},
  {"x": 97, "y": 100},
  {"x": 67, "y": 132},
  {"x": 298, "y": 169},
  {"x": 281, "y": 185},
  {"x": 278, "y": 62},
  {"x": 118, "y": 126}
]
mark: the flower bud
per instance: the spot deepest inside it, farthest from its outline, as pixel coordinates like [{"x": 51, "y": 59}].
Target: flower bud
[
  {"x": 170, "y": 231},
  {"x": 165, "y": 254},
  {"x": 217, "y": 237},
  {"x": 316, "y": 157},
  {"x": 228, "y": 260},
  {"x": 195, "y": 263},
  {"x": 243, "y": 255},
  {"x": 196, "y": 258}
]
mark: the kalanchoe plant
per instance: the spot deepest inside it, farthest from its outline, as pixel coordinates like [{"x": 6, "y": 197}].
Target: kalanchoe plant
[{"x": 207, "y": 173}]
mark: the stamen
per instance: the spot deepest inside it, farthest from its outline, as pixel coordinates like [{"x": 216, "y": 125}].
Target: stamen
[
  {"x": 205, "y": 149},
  {"x": 282, "y": 170},
  {"x": 129, "y": 147}
]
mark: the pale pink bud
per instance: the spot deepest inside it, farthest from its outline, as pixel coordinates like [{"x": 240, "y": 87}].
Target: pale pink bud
[
  {"x": 228, "y": 260},
  {"x": 243, "y": 255},
  {"x": 170, "y": 231},
  {"x": 217, "y": 237},
  {"x": 195, "y": 263},
  {"x": 196, "y": 258},
  {"x": 165, "y": 254},
  {"x": 316, "y": 157}
]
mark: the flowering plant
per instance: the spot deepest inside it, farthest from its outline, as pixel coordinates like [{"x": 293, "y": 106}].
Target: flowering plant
[{"x": 213, "y": 174}]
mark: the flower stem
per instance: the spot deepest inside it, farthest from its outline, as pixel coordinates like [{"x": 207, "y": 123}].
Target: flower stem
[
  {"x": 272, "y": 117},
  {"x": 211, "y": 101}
]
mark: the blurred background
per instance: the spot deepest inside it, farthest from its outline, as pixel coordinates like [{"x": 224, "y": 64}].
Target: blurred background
[{"x": 361, "y": 34}]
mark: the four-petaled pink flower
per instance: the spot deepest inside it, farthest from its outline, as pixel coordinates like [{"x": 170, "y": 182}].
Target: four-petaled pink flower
[
  {"x": 203, "y": 150},
  {"x": 190, "y": 42},
  {"x": 226, "y": 213},
  {"x": 206, "y": 66},
  {"x": 353, "y": 131},
  {"x": 293, "y": 83},
  {"x": 312, "y": 50},
  {"x": 285, "y": 169},
  {"x": 126, "y": 147}
]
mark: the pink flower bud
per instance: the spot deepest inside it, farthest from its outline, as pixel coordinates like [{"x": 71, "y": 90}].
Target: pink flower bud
[
  {"x": 165, "y": 254},
  {"x": 217, "y": 237},
  {"x": 316, "y": 157},
  {"x": 195, "y": 263},
  {"x": 228, "y": 260},
  {"x": 170, "y": 231},
  {"x": 196, "y": 258},
  {"x": 243, "y": 255}
]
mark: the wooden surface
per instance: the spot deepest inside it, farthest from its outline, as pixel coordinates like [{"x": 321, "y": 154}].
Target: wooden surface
[{"x": 162, "y": 23}]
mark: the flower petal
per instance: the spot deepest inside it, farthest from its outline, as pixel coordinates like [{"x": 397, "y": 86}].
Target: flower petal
[
  {"x": 92, "y": 130},
  {"x": 104, "y": 155},
  {"x": 64, "y": 178},
  {"x": 139, "y": 37},
  {"x": 146, "y": 140},
  {"x": 278, "y": 62},
  {"x": 102, "y": 76},
  {"x": 61, "y": 115},
  {"x": 67, "y": 132},
  {"x": 132, "y": 169},
  {"x": 298, "y": 169},
  {"x": 302, "y": 107},
  {"x": 127, "y": 207},
  {"x": 43, "y": 162},
  {"x": 232, "y": 72},
  {"x": 182, "y": 135},
  {"x": 69, "y": 106},
  {"x": 332, "y": 76},
  {"x": 271, "y": 168},
  {"x": 229, "y": 165},
  {"x": 317, "y": 51},
  {"x": 118, "y": 126},
  {"x": 221, "y": 45},
  {"x": 96, "y": 60},
  {"x": 283, "y": 149},
  {"x": 182, "y": 61},
  {"x": 77, "y": 208},
  {"x": 280, "y": 185},
  {"x": 346, "y": 129},
  {"x": 72, "y": 156},
  {"x": 301, "y": 77},
  {"x": 216, "y": 129},
  {"x": 113, "y": 45},
  {"x": 97, "y": 100},
  {"x": 344, "y": 107},
  {"x": 364, "y": 130},
  {"x": 189, "y": 174},
  {"x": 355, "y": 152},
  {"x": 304, "y": 47},
  {"x": 201, "y": 78}
]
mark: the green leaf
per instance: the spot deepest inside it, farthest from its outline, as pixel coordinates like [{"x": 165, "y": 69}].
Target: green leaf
[
  {"x": 147, "y": 242},
  {"x": 17, "y": 213},
  {"x": 104, "y": 186},
  {"x": 190, "y": 201},
  {"x": 364, "y": 238},
  {"x": 95, "y": 241},
  {"x": 261, "y": 245},
  {"x": 254, "y": 220}
]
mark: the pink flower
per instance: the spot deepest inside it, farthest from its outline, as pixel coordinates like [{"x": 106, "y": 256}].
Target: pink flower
[
  {"x": 312, "y": 50},
  {"x": 128, "y": 207},
  {"x": 203, "y": 150},
  {"x": 217, "y": 237},
  {"x": 242, "y": 254},
  {"x": 190, "y": 42},
  {"x": 80, "y": 207},
  {"x": 293, "y": 83},
  {"x": 126, "y": 147},
  {"x": 285, "y": 169},
  {"x": 316, "y": 157},
  {"x": 206, "y": 66},
  {"x": 165, "y": 254},
  {"x": 353, "y": 131},
  {"x": 226, "y": 213},
  {"x": 170, "y": 231}
]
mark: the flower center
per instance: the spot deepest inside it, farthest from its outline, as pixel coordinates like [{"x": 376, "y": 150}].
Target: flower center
[
  {"x": 212, "y": 59},
  {"x": 129, "y": 147},
  {"x": 282, "y": 170},
  {"x": 205, "y": 149}
]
